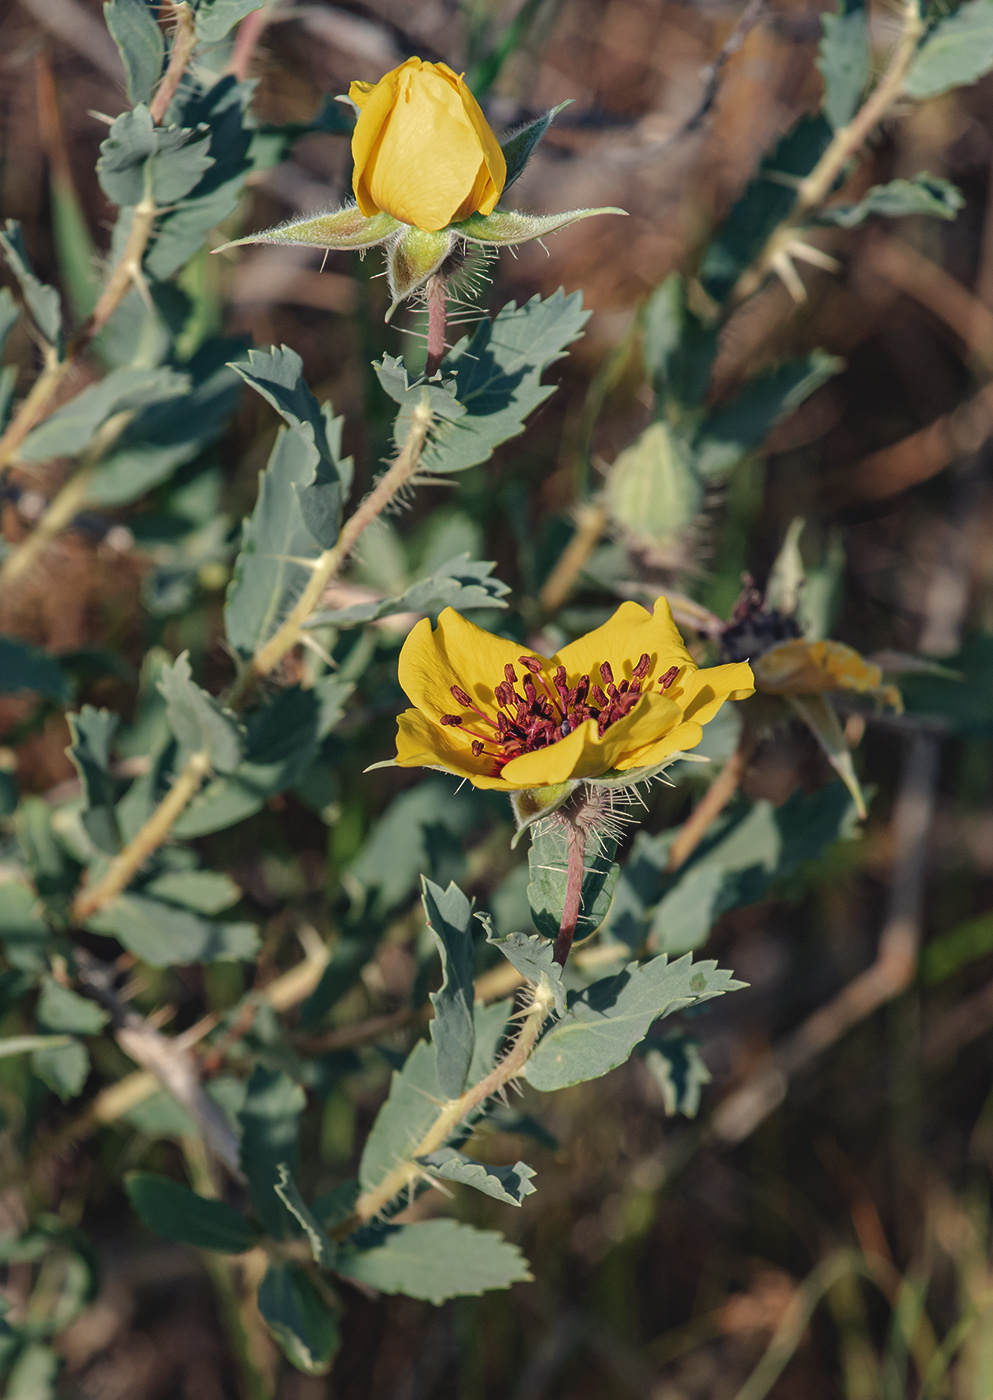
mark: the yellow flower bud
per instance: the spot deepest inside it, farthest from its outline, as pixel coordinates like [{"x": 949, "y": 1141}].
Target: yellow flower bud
[{"x": 422, "y": 148}]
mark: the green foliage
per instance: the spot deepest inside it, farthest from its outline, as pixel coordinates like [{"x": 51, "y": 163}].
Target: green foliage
[
  {"x": 533, "y": 957},
  {"x": 507, "y": 1184},
  {"x": 520, "y": 146},
  {"x": 548, "y": 864},
  {"x": 70, "y": 429},
  {"x": 745, "y": 856},
  {"x": 450, "y": 919},
  {"x": 136, "y": 32},
  {"x": 297, "y": 1313},
  {"x": 436, "y": 1259},
  {"x": 198, "y": 722},
  {"x": 459, "y": 583},
  {"x": 497, "y": 379},
  {"x": 924, "y": 194},
  {"x": 845, "y": 61},
  {"x": 607, "y": 1020},
  {"x": 959, "y": 50},
  {"x": 42, "y": 301},
  {"x": 26, "y": 667},
  {"x": 164, "y": 935},
  {"x": 180, "y": 1214}
]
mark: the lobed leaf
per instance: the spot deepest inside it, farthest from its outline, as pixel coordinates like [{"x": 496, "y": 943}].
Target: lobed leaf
[
  {"x": 459, "y": 583},
  {"x": 533, "y": 956},
  {"x": 958, "y": 51},
  {"x": 197, "y": 720},
  {"x": 507, "y": 1184},
  {"x": 923, "y": 194},
  {"x": 498, "y": 373},
  {"x": 607, "y": 1020},
  {"x": 450, "y": 918},
  {"x": 435, "y": 1260}
]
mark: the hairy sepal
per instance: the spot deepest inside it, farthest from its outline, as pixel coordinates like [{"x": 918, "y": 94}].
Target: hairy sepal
[
  {"x": 505, "y": 227},
  {"x": 343, "y": 229},
  {"x": 531, "y": 805},
  {"x": 414, "y": 256}
]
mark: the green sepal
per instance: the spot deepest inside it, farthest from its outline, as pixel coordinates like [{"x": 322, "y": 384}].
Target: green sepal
[
  {"x": 521, "y": 146},
  {"x": 616, "y": 778},
  {"x": 413, "y": 258},
  {"x": 336, "y": 228},
  {"x": 531, "y": 804},
  {"x": 505, "y": 227}
]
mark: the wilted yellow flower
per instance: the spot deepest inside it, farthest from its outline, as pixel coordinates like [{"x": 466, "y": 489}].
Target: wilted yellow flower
[
  {"x": 626, "y": 696},
  {"x": 423, "y": 150},
  {"x": 799, "y": 667}
]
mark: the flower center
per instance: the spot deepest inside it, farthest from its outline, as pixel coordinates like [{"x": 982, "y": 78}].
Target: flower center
[{"x": 546, "y": 713}]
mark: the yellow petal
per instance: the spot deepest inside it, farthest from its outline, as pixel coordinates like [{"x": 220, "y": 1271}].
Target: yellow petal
[
  {"x": 375, "y": 104},
  {"x": 425, "y": 161},
  {"x": 494, "y": 163},
  {"x": 685, "y": 736},
  {"x": 701, "y": 693},
  {"x": 578, "y": 755},
  {"x": 458, "y": 653},
  {"x": 625, "y": 638},
  {"x": 423, "y": 744}
]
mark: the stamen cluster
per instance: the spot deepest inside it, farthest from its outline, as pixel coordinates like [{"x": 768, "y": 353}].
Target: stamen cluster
[{"x": 540, "y": 717}]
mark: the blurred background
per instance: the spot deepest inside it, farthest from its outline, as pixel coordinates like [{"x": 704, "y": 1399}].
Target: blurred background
[{"x": 821, "y": 1229}]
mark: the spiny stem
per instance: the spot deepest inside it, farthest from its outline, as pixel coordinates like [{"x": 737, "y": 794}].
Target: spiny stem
[
  {"x": 451, "y": 1114},
  {"x": 847, "y": 140},
  {"x": 155, "y": 830},
  {"x": 573, "y": 894},
  {"x": 437, "y": 309},
  {"x": 183, "y": 43},
  {"x": 269, "y": 655},
  {"x": 125, "y": 865},
  {"x": 127, "y": 270}
]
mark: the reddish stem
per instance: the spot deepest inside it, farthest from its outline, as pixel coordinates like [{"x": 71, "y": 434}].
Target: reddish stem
[
  {"x": 573, "y": 894},
  {"x": 436, "y": 324}
]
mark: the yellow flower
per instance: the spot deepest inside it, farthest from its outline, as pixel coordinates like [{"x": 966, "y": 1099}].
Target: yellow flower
[
  {"x": 423, "y": 150},
  {"x": 798, "y": 667},
  {"x": 626, "y": 696}
]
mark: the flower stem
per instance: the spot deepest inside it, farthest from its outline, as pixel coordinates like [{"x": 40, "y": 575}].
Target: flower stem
[
  {"x": 403, "y": 1176},
  {"x": 183, "y": 43},
  {"x": 573, "y": 894},
  {"x": 155, "y": 830},
  {"x": 437, "y": 309},
  {"x": 326, "y": 566}
]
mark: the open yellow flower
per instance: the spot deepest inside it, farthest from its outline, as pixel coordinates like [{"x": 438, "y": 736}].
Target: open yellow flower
[
  {"x": 423, "y": 150},
  {"x": 626, "y": 696},
  {"x": 799, "y": 667}
]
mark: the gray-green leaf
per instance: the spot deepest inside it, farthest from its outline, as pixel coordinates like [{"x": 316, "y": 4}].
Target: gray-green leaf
[
  {"x": 197, "y": 720},
  {"x": 137, "y": 35},
  {"x": 507, "y": 1184},
  {"x": 958, "y": 50},
  {"x": 41, "y": 300},
  {"x": 435, "y": 1260},
  {"x": 845, "y": 62},
  {"x": 299, "y": 1318},
  {"x": 450, "y": 919},
  {"x": 608, "y": 1019}
]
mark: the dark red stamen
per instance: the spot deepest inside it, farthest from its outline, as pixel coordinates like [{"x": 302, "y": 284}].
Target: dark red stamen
[
  {"x": 666, "y": 681},
  {"x": 550, "y": 708}
]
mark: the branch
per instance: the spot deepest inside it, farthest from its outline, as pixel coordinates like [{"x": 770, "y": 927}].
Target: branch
[
  {"x": 816, "y": 187},
  {"x": 372, "y": 1203},
  {"x": 326, "y": 567},
  {"x": 155, "y": 830},
  {"x": 184, "y": 41}
]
